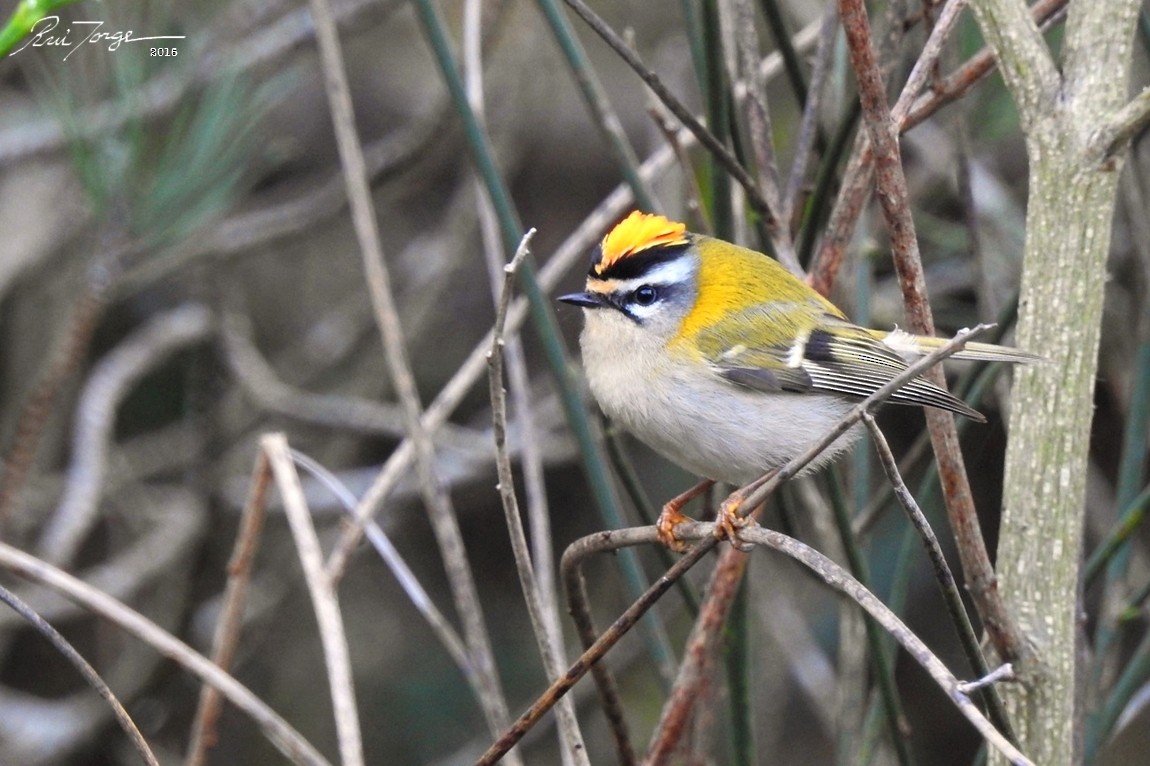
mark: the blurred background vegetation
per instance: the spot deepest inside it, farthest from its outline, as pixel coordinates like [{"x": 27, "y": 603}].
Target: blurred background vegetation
[{"x": 179, "y": 275}]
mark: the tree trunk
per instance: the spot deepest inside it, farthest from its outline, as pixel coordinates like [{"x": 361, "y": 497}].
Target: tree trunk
[
  {"x": 1068, "y": 237},
  {"x": 1070, "y": 209}
]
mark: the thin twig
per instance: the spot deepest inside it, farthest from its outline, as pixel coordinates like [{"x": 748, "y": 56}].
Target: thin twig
[
  {"x": 172, "y": 522},
  {"x": 278, "y": 731},
  {"x": 552, "y": 659},
  {"x": 598, "y": 104},
  {"x": 837, "y": 578},
  {"x": 957, "y": 84},
  {"x": 895, "y": 202},
  {"x": 325, "y": 602},
  {"x": 1001, "y": 673},
  {"x": 789, "y": 470},
  {"x": 579, "y": 607},
  {"x": 408, "y": 582},
  {"x": 809, "y": 124},
  {"x": 692, "y": 194},
  {"x": 971, "y": 388},
  {"x": 544, "y": 322},
  {"x": 927, "y": 63},
  {"x": 855, "y": 186},
  {"x": 705, "y": 137},
  {"x": 569, "y": 567},
  {"x": 86, "y": 670},
  {"x": 444, "y": 523},
  {"x": 226, "y": 638},
  {"x": 542, "y": 556},
  {"x": 856, "y": 179},
  {"x": 1119, "y": 128},
  {"x": 877, "y": 653},
  {"x": 698, "y": 655},
  {"x": 741, "y": 16},
  {"x": 943, "y": 576}
]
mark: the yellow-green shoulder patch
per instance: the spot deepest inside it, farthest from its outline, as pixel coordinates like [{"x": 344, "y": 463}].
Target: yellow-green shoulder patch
[{"x": 635, "y": 233}]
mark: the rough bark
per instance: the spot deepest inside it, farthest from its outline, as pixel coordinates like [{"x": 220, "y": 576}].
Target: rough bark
[{"x": 1072, "y": 196}]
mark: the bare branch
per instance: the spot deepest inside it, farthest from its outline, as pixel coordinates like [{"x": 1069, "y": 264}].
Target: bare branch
[
  {"x": 438, "y": 503},
  {"x": 1001, "y": 673},
  {"x": 895, "y": 202},
  {"x": 767, "y": 485},
  {"x": 324, "y": 600},
  {"x": 281, "y": 734},
  {"x": 570, "y": 568},
  {"x": 226, "y": 638},
  {"x": 751, "y": 90},
  {"x": 718, "y": 150},
  {"x": 944, "y": 577},
  {"x": 1023, "y": 56},
  {"x": 544, "y": 596},
  {"x": 415, "y": 592},
  {"x": 808, "y": 126},
  {"x": 856, "y": 179},
  {"x": 1120, "y": 128},
  {"x": 610, "y": 700},
  {"x": 86, "y": 670},
  {"x": 838, "y": 579},
  {"x": 553, "y": 660},
  {"x": 699, "y": 654}
]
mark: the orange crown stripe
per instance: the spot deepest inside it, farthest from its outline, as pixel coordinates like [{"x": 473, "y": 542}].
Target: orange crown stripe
[{"x": 635, "y": 233}]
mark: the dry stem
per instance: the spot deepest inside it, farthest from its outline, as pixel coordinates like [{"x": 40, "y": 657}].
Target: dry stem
[
  {"x": 278, "y": 731},
  {"x": 440, "y": 511},
  {"x": 895, "y": 201}
]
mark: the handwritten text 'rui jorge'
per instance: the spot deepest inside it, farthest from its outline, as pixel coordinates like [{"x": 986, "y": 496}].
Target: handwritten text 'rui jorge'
[{"x": 46, "y": 33}]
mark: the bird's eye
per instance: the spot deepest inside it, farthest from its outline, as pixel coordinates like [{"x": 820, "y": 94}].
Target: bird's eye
[{"x": 645, "y": 295}]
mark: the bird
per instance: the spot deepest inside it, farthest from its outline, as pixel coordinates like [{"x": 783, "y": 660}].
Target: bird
[{"x": 727, "y": 364}]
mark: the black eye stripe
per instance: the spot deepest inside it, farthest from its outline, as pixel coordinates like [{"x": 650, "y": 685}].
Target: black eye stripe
[{"x": 628, "y": 304}]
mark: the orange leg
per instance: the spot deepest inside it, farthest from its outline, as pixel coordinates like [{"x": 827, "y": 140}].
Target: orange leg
[
  {"x": 729, "y": 521},
  {"x": 672, "y": 514}
]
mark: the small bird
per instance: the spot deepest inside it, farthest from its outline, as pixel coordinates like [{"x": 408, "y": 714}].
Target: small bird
[{"x": 727, "y": 364}]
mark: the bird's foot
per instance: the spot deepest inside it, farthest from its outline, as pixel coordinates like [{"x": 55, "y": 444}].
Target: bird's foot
[
  {"x": 672, "y": 515},
  {"x": 730, "y": 523}
]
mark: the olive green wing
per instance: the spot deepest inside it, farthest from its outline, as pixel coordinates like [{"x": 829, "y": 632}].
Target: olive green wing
[
  {"x": 763, "y": 349},
  {"x": 752, "y": 348}
]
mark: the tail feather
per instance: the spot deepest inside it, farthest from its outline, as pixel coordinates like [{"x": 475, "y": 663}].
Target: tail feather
[
  {"x": 913, "y": 346},
  {"x": 988, "y": 352}
]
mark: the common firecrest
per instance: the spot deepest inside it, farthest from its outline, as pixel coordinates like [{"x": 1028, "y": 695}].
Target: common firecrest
[{"x": 727, "y": 364}]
